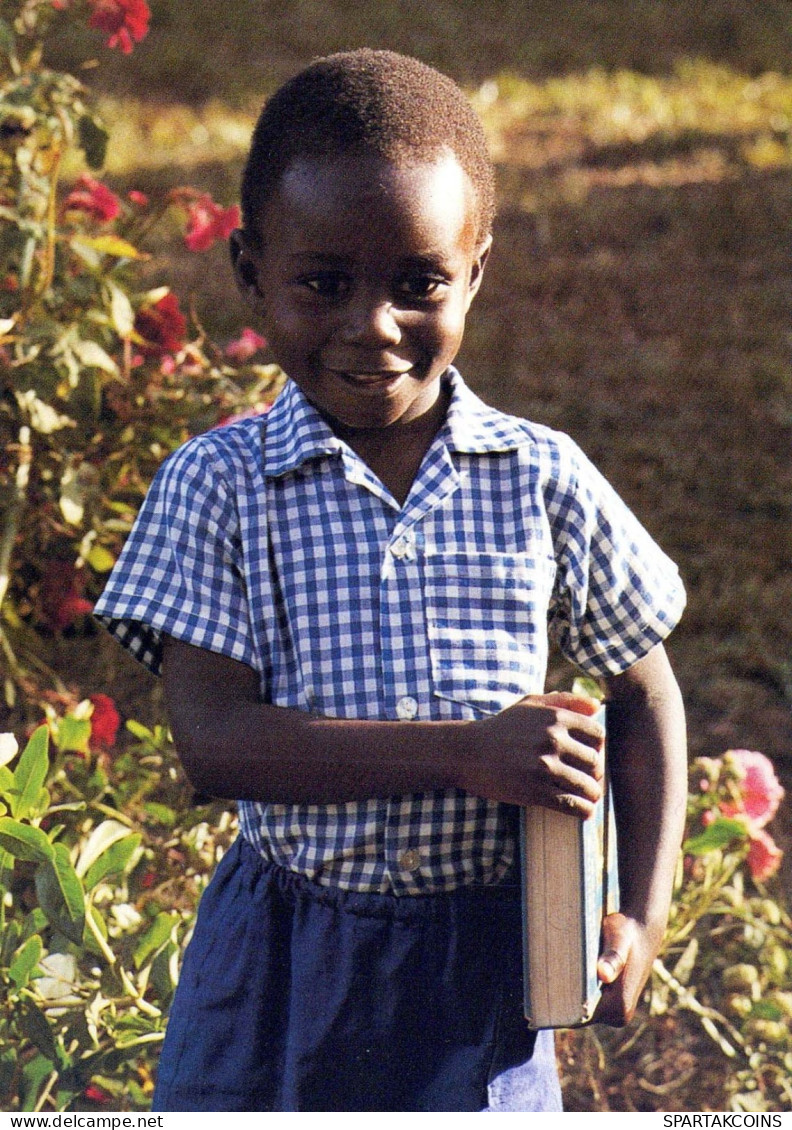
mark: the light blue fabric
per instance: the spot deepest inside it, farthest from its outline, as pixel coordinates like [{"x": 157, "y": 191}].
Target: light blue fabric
[{"x": 301, "y": 564}]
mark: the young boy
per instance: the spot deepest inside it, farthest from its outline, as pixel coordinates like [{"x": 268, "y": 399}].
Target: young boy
[{"x": 350, "y": 604}]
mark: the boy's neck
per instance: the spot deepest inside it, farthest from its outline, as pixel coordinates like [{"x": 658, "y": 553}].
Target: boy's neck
[{"x": 395, "y": 453}]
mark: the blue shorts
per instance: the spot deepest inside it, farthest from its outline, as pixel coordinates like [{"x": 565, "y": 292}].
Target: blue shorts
[{"x": 297, "y": 997}]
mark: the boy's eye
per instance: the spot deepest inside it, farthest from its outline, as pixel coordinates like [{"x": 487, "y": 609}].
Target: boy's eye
[
  {"x": 327, "y": 284},
  {"x": 422, "y": 285}
]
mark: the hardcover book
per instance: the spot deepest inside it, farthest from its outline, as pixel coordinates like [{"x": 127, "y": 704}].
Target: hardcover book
[{"x": 569, "y": 882}]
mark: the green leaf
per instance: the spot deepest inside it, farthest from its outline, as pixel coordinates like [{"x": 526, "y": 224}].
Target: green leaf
[
  {"x": 100, "y": 559},
  {"x": 767, "y": 1010},
  {"x": 6, "y": 779},
  {"x": 719, "y": 834},
  {"x": 25, "y": 961},
  {"x": 584, "y": 685},
  {"x": 114, "y": 861},
  {"x": 25, "y": 842},
  {"x": 8, "y": 1063},
  {"x": 141, "y": 732},
  {"x": 109, "y": 245},
  {"x": 93, "y": 356},
  {"x": 164, "y": 972},
  {"x": 60, "y": 895},
  {"x": 89, "y": 941},
  {"x": 73, "y": 734},
  {"x": 34, "y": 1074},
  {"x": 102, "y": 837},
  {"x": 7, "y": 38},
  {"x": 30, "y": 773},
  {"x": 121, "y": 313},
  {"x": 36, "y": 1027},
  {"x": 93, "y": 140},
  {"x": 160, "y": 813},
  {"x": 157, "y": 935},
  {"x": 11, "y": 938}
]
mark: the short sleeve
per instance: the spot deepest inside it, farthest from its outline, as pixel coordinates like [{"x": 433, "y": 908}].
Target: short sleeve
[
  {"x": 181, "y": 570},
  {"x": 616, "y": 593}
]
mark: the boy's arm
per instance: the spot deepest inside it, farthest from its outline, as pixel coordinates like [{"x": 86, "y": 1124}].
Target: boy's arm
[
  {"x": 544, "y": 750},
  {"x": 648, "y": 760}
]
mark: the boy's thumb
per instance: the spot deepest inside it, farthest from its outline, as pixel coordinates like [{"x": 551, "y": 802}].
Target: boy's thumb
[{"x": 568, "y": 700}]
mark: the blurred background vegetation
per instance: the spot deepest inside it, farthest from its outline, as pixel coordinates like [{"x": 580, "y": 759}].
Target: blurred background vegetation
[
  {"x": 639, "y": 291},
  {"x": 638, "y": 296}
]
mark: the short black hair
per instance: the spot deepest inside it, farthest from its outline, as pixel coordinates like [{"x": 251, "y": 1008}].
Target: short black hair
[{"x": 378, "y": 101}]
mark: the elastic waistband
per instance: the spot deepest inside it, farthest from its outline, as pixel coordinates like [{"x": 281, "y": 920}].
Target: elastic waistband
[{"x": 294, "y": 886}]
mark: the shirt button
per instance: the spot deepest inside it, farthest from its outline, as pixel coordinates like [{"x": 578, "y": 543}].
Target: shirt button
[
  {"x": 409, "y": 860},
  {"x": 406, "y": 708},
  {"x": 404, "y": 547}
]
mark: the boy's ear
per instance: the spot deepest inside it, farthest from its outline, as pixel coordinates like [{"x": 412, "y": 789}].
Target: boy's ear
[
  {"x": 245, "y": 268},
  {"x": 477, "y": 269}
]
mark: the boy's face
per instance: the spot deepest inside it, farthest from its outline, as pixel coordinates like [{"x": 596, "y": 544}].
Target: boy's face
[{"x": 366, "y": 273}]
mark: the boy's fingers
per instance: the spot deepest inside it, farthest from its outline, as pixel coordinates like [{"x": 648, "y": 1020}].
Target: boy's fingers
[
  {"x": 587, "y": 758},
  {"x": 610, "y": 965},
  {"x": 616, "y": 944}
]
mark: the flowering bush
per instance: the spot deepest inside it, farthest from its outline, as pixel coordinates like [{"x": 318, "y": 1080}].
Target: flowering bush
[
  {"x": 739, "y": 795},
  {"x": 100, "y": 378},
  {"x": 727, "y": 958},
  {"x": 102, "y": 861}
]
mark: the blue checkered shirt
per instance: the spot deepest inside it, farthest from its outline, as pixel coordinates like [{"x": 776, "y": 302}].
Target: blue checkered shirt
[{"x": 298, "y": 562}]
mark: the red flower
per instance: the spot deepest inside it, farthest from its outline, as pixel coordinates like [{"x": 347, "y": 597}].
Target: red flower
[
  {"x": 96, "y": 1094},
  {"x": 105, "y": 721},
  {"x": 122, "y": 20},
  {"x": 760, "y": 792},
  {"x": 138, "y": 198},
  {"x": 207, "y": 222},
  {"x": 162, "y": 326},
  {"x": 248, "y": 343},
  {"x": 764, "y": 855},
  {"x": 61, "y": 596},
  {"x": 93, "y": 198}
]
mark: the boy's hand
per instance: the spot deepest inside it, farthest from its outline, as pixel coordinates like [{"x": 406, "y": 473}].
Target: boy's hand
[
  {"x": 546, "y": 750},
  {"x": 628, "y": 950}
]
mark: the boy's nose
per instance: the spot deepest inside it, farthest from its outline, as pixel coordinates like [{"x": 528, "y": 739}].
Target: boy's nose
[{"x": 371, "y": 323}]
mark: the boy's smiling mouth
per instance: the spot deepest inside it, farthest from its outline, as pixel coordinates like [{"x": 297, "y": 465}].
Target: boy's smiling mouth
[{"x": 370, "y": 378}]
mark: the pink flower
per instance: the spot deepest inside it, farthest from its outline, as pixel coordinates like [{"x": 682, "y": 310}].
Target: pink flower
[
  {"x": 248, "y": 343},
  {"x": 122, "y": 20},
  {"x": 764, "y": 855},
  {"x": 93, "y": 198},
  {"x": 760, "y": 792},
  {"x": 162, "y": 326},
  {"x": 207, "y": 222},
  {"x": 140, "y": 199},
  {"x": 105, "y": 721}
]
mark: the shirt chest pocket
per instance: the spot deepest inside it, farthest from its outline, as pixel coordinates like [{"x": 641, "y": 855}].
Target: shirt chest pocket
[{"x": 486, "y": 616}]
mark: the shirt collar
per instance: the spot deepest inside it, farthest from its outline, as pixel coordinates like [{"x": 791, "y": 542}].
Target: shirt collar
[
  {"x": 472, "y": 427},
  {"x": 296, "y": 433}
]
